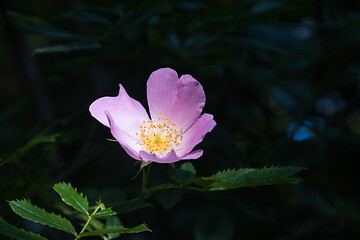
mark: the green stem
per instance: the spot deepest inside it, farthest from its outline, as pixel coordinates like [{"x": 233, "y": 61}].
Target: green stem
[
  {"x": 145, "y": 179},
  {"x": 88, "y": 222},
  {"x": 146, "y": 193}
]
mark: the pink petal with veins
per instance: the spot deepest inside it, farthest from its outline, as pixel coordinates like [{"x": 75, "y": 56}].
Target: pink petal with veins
[
  {"x": 126, "y": 112},
  {"x": 129, "y": 144},
  {"x": 180, "y": 100},
  {"x": 196, "y": 133}
]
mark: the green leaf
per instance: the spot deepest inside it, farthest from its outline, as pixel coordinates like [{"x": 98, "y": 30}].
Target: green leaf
[
  {"x": 266, "y": 6},
  {"x": 115, "y": 9},
  {"x": 113, "y": 222},
  {"x": 214, "y": 223},
  {"x": 38, "y": 25},
  {"x": 245, "y": 177},
  {"x": 48, "y": 30},
  {"x": 250, "y": 177},
  {"x": 186, "y": 175},
  {"x": 111, "y": 140},
  {"x": 16, "y": 107},
  {"x": 72, "y": 198},
  {"x": 111, "y": 196},
  {"x": 28, "y": 211},
  {"x": 201, "y": 181},
  {"x": 185, "y": 171},
  {"x": 14, "y": 232},
  {"x": 121, "y": 230},
  {"x": 170, "y": 198},
  {"x": 104, "y": 213},
  {"x": 204, "y": 182},
  {"x": 40, "y": 138},
  {"x": 129, "y": 206},
  {"x": 64, "y": 48},
  {"x": 25, "y": 18},
  {"x": 82, "y": 15},
  {"x": 134, "y": 19},
  {"x": 269, "y": 37}
]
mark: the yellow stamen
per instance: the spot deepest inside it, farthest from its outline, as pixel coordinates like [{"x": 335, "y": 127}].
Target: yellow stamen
[{"x": 160, "y": 137}]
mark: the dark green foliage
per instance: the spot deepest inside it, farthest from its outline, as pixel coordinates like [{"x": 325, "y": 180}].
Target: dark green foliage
[
  {"x": 250, "y": 177},
  {"x": 79, "y": 202},
  {"x": 129, "y": 206},
  {"x": 82, "y": 15},
  {"x": 64, "y": 48},
  {"x": 40, "y": 138},
  {"x": 104, "y": 213},
  {"x": 71, "y": 197},
  {"x": 268, "y": 69},
  {"x": 16, "y": 233},
  {"x": 49, "y": 30},
  {"x": 214, "y": 225},
  {"x": 120, "y": 230},
  {"x": 28, "y": 211},
  {"x": 113, "y": 222},
  {"x": 185, "y": 171},
  {"x": 243, "y": 177}
]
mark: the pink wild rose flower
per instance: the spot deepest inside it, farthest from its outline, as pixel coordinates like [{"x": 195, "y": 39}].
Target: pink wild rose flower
[{"x": 176, "y": 125}]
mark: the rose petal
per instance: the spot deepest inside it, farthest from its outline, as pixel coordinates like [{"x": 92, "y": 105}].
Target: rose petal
[
  {"x": 196, "y": 133},
  {"x": 188, "y": 103},
  {"x": 180, "y": 100},
  {"x": 128, "y": 143},
  {"x": 171, "y": 157},
  {"x": 161, "y": 90},
  {"x": 126, "y": 112},
  {"x": 193, "y": 155},
  {"x": 168, "y": 158}
]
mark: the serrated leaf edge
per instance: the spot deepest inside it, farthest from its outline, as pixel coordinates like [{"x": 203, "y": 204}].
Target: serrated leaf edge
[
  {"x": 22, "y": 230},
  {"x": 60, "y": 228},
  {"x": 86, "y": 211}
]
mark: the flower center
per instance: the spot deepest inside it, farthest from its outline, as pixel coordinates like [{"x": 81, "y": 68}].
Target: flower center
[{"x": 159, "y": 137}]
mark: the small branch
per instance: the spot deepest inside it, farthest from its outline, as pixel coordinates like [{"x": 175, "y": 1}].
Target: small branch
[
  {"x": 88, "y": 222},
  {"x": 145, "y": 179}
]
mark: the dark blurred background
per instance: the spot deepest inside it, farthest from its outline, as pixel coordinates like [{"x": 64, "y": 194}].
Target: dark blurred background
[{"x": 282, "y": 79}]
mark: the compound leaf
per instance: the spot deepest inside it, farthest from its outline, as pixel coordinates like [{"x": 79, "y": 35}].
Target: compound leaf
[
  {"x": 141, "y": 228},
  {"x": 72, "y": 198},
  {"x": 104, "y": 213},
  {"x": 251, "y": 177},
  {"x": 14, "y": 232},
  {"x": 28, "y": 211}
]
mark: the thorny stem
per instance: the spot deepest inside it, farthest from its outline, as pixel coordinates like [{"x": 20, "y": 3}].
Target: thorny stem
[{"x": 88, "y": 222}]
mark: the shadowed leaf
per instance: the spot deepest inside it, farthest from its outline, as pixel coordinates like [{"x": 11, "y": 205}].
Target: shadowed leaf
[
  {"x": 250, "y": 177},
  {"x": 20, "y": 234},
  {"x": 82, "y": 15},
  {"x": 49, "y": 30},
  {"x": 64, "y": 48},
  {"x": 185, "y": 171},
  {"x": 113, "y": 222},
  {"x": 121, "y": 230},
  {"x": 28, "y": 211},
  {"x": 104, "y": 213},
  {"x": 40, "y": 138},
  {"x": 129, "y": 206},
  {"x": 71, "y": 197}
]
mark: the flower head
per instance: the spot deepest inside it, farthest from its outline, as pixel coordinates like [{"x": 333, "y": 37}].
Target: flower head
[{"x": 176, "y": 125}]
